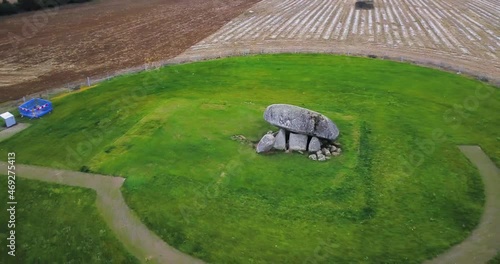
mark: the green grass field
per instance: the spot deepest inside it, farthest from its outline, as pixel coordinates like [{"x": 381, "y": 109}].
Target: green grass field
[
  {"x": 57, "y": 224},
  {"x": 495, "y": 260},
  {"x": 401, "y": 192}
]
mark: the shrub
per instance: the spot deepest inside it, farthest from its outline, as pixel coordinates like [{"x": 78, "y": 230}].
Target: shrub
[
  {"x": 6, "y": 8},
  {"x": 29, "y": 5}
]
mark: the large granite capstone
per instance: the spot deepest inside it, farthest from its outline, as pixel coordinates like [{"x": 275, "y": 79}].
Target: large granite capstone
[{"x": 301, "y": 120}]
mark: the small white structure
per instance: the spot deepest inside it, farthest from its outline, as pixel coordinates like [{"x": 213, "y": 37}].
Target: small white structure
[{"x": 9, "y": 119}]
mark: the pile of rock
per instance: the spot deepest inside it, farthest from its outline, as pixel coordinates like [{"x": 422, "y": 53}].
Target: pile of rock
[
  {"x": 301, "y": 130},
  {"x": 327, "y": 152}
]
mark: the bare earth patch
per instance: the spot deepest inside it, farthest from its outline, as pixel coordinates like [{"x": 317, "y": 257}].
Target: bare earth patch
[{"x": 48, "y": 49}]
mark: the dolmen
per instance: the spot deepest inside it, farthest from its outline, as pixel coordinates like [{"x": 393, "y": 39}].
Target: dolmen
[{"x": 301, "y": 130}]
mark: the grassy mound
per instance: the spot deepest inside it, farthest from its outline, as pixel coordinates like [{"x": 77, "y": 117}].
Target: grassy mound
[
  {"x": 58, "y": 224},
  {"x": 401, "y": 191}
]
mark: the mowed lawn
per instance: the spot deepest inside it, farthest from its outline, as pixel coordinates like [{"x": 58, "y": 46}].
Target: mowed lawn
[
  {"x": 57, "y": 224},
  {"x": 401, "y": 192}
]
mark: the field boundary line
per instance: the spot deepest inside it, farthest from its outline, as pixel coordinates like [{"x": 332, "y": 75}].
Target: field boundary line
[
  {"x": 126, "y": 225},
  {"x": 479, "y": 247},
  {"x": 484, "y": 241}
]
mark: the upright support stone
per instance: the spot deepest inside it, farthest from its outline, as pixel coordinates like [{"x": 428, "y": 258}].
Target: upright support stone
[
  {"x": 297, "y": 142},
  {"x": 265, "y": 144},
  {"x": 314, "y": 145},
  {"x": 280, "y": 142}
]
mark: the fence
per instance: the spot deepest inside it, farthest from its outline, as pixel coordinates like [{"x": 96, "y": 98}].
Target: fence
[{"x": 222, "y": 53}]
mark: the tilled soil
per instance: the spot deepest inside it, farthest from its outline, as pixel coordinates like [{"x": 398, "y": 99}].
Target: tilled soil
[
  {"x": 48, "y": 49},
  {"x": 462, "y": 34}
]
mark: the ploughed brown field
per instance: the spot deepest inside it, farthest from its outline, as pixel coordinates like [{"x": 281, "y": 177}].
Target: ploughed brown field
[{"x": 48, "y": 49}]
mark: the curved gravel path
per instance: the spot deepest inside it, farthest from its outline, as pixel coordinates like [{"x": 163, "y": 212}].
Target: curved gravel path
[
  {"x": 484, "y": 242},
  {"x": 481, "y": 246},
  {"x": 136, "y": 237}
]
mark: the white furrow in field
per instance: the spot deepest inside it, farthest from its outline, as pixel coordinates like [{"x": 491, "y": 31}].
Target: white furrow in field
[
  {"x": 334, "y": 24},
  {"x": 396, "y": 4},
  {"x": 484, "y": 13},
  {"x": 330, "y": 16},
  {"x": 414, "y": 35},
  {"x": 389, "y": 14},
  {"x": 436, "y": 26},
  {"x": 294, "y": 25},
  {"x": 224, "y": 33},
  {"x": 493, "y": 49},
  {"x": 491, "y": 35},
  {"x": 362, "y": 24},
  {"x": 274, "y": 23},
  {"x": 384, "y": 16},
  {"x": 385, "y": 23},
  {"x": 406, "y": 36},
  {"x": 265, "y": 26},
  {"x": 307, "y": 21},
  {"x": 433, "y": 16},
  {"x": 457, "y": 17},
  {"x": 284, "y": 4},
  {"x": 242, "y": 31},
  {"x": 309, "y": 27},
  {"x": 347, "y": 24},
  {"x": 414, "y": 21},
  {"x": 466, "y": 31},
  {"x": 323, "y": 18},
  {"x": 494, "y": 7},
  {"x": 439, "y": 6},
  {"x": 417, "y": 4},
  {"x": 354, "y": 29},
  {"x": 370, "y": 22},
  {"x": 436, "y": 29},
  {"x": 378, "y": 23},
  {"x": 293, "y": 19},
  {"x": 230, "y": 24},
  {"x": 280, "y": 4},
  {"x": 286, "y": 14},
  {"x": 423, "y": 22},
  {"x": 247, "y": 29},
  {"x": 388, "y": 35}
]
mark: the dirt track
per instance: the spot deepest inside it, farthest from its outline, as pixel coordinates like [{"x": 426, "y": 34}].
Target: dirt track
[
  {"x": 464, "y": 34},
  {"x": 479, "y": 247},
  {"x": 48, "y": 49},
  {"x": 128, "y": 228}
]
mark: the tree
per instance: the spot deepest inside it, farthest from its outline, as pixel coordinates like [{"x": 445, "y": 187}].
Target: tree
[
  {"x": 29, "y": 5},
  {"x": 7, "y": 8}
]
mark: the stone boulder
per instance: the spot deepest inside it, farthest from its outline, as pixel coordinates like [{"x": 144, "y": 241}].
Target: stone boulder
[
  {"x": 297, "y": 142},
  {"x": 314, "y": 145},
  {"x": 321, "y": 157},
  {"x": 266, "y": 143},
  {"x": 280, "y": 142},
  {"x": 300, "y": 120}
]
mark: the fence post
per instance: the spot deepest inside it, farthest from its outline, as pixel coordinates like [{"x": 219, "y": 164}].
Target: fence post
[{"x": 88, "y": 81}]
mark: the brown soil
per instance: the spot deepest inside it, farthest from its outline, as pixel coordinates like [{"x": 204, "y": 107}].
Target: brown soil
[{"x": 49, "y": 49}]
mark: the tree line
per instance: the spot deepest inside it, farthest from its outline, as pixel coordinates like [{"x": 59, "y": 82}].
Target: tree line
[{"x": 8, "y": 8}]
